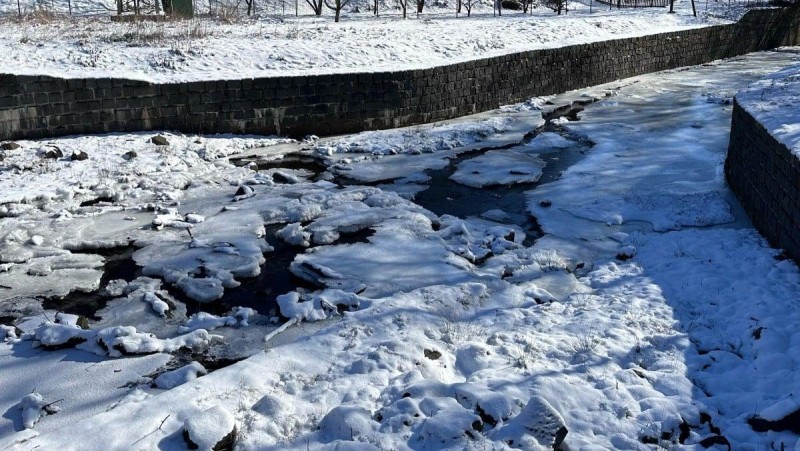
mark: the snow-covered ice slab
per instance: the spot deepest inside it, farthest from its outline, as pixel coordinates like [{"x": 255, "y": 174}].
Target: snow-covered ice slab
[{"x": 499, "y": 168}]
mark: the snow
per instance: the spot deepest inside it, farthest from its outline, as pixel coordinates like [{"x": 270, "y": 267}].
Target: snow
[
  {"x": 268, "y": 45},
  {"x": 203, "y": 320},
  {"x": 33, "y": 408},
  {"x": 208, "y": 428},
  {"x": 649, "y": 305},
  {"x": 774, "y": 102}
]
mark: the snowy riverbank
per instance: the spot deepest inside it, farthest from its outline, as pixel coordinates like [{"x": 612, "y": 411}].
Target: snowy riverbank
[{"x": 211, "y": 49}]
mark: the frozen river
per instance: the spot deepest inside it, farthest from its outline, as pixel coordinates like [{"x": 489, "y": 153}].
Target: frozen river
[{"x": 578, "y": 254}]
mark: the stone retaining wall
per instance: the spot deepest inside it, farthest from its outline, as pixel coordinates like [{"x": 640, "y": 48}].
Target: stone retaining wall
[
  {"x": 42, "y": 106},
  {"x": 765, "y": 176}
]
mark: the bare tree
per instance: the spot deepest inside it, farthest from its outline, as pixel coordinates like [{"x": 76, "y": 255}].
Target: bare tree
[
  {"x": 498, "y": 5},
  {"x": 420, "y": 6},
  {"x": 403, "y": 6},
  {"x": 468, "y": 4},
  {"x": 316, "y": 5},
  {"x": 336, "y": 6}
]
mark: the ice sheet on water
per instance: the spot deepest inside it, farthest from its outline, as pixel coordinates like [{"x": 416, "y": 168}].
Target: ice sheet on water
[
  {"x": 400, "y": 153},
  {"x": 499, "y": 168}
]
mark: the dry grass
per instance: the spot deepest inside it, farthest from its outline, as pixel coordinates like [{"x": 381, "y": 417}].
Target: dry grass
[{"x": 144, "y": 34}]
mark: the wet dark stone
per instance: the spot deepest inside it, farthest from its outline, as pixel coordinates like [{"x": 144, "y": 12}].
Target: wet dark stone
[
  {"x": 159, "y": 140},
  {"x": 790, "y": 422},
  {"x": 97, "y": 200}
]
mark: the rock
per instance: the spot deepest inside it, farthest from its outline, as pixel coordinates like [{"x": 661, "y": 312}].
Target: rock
[
  {"x": 776, "y": 420},
  {"x": 280, "y": 177},
  {"x": 243, "y": 191},
  {"x": 10, "y": 145},
  {"x": 538, "y": 425},
  {"x": 34, "y": 407},
  {"x": 79, "y": 155},
  {"x": 545, "y": 203},
  {"x": 346, "y": 423},
  {"x": 432, "y": 354},
  {"x": 127, "y": 156},
  {"x": 626, "y": 253},
  {"x": 513, "y": 5},
  {"x": 159, "y": 140},
  {"x": 53, "y": 152},
  {"x": 714, "y": 440},
  {"x": 194, "y": 218},
  {"x": 213, "y": 429}
]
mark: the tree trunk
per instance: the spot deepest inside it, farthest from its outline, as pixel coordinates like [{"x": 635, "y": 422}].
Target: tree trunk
[
  {"x": 420, "y": 6},
  {"x": 338, "y": 10}
]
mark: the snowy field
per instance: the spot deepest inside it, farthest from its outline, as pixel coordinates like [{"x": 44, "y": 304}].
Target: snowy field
[
  {"x": 640, "y": 311},
  {"x": 272, "y": 44}
]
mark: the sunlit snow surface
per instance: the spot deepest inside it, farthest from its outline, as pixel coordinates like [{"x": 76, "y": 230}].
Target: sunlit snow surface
[
  {"x": 775, "y": 103},
  {"x": 421, "y": 331},
  {"x": 270, "y": 43}
]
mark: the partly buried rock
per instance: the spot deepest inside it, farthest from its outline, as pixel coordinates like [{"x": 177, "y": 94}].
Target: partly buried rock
[
  {"x": 79, "y": 155},
  {"x": 211, "y": 430},
  {"x": 127, "y": 156},
  {"x": 34, "y": 407},
  {"x": 781, "y": 416},
  {"x": 346, "y": 423},
  {"x": 159, "y": 140},
  {"x": 539, "y": 424},
  {"x": 10, "y": 145},
  {"x": 432, "y": 354},
  {"x": 52, "y": 152}
]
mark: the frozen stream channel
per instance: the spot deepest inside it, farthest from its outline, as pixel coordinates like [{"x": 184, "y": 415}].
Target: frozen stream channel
[{"x": 573, "y": 263}]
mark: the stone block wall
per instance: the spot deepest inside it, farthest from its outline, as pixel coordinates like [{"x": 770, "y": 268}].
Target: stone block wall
[
  {"x": 765, "y": 176},
  {"x": 42, "y": 106}
]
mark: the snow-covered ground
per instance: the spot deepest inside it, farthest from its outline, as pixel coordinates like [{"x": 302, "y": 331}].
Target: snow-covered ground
[
  {"x": 272, "y": 45},
  {"x": 649, "y": 314},
  {"x": 775, "y": 103}
]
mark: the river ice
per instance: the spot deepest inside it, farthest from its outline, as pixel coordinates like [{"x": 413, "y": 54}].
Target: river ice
[{"x": 649, "y": 313}]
